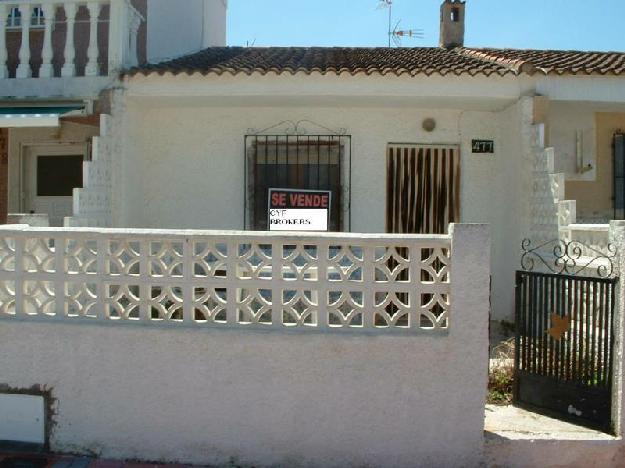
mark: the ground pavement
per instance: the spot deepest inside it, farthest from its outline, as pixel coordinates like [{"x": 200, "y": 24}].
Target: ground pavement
[{"x": 44, "y": 460}]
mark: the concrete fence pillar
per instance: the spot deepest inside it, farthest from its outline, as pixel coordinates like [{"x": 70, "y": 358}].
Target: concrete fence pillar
[
  {"x": 617, "y": 238},
  {"x": 470, "y": 310}
]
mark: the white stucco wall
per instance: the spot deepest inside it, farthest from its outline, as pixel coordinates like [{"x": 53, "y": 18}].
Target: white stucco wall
[
  {"x": 215, "y": 23},
  {"x": 207, "y": 397},
  {"x": 567, "y": 118},
  {"x": 564, "y": 121},
  {"x": 275, "y": 398},
  {"x": 186, "y": 18},
  {"x": 197, "y": 24},
  {"x": 183, "y": 166},
  {"x": 586, "y": 123},
  {"x": 505, "y": 198}
]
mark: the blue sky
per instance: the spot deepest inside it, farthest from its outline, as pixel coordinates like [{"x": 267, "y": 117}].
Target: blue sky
[{"x": 541, "y": 24}]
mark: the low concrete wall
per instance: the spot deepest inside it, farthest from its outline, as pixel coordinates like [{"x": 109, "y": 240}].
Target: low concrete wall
[
  {"x": 527, "y": 453},
  {"x": 256, "y": 398},
  {"x": 266, "y": 398},
  {"x": 34, "y": 220}
]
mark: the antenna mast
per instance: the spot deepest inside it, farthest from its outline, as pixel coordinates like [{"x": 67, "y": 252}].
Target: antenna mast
[
  {"x": 390, "y": 20},
  {"x": 394, "y": 34},
  {"x": 388, "y": 4}
]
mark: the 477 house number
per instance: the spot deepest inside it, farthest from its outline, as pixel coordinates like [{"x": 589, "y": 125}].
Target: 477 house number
[{"x": 483, "y": 146}]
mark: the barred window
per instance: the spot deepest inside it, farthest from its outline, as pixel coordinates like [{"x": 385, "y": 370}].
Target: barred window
[{"x": 309, "y": 162}]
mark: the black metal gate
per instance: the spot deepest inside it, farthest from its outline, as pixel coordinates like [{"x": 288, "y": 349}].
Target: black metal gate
[{"x": 565, "y": 342}]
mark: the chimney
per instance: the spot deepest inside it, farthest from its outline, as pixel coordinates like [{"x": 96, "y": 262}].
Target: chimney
[{"x": 452, "y": 24}]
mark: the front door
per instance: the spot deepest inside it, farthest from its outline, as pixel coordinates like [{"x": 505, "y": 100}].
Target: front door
[
  {"x": 50, "y": 179},
  {"x": 422, "y": 188}
]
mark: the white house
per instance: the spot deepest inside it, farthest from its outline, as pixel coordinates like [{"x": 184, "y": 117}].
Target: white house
[
  {"x": 154, "y": 157},
  {"x": 407, "y": 140},
  {"x": 53, "y": 72}
]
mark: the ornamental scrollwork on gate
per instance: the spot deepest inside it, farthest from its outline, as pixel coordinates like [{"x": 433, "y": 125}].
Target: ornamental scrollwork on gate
[{"x": 570, "y": 258}]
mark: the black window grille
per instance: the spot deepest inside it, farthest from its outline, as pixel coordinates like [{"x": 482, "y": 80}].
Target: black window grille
[
  {"x": 306, "y": 162},
  {"x": 619, "y": 176}
]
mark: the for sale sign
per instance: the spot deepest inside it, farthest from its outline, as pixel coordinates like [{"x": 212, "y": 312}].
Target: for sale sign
[{"x": 299, "y": 210}]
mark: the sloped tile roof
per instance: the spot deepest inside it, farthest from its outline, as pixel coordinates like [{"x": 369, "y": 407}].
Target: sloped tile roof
[
  {"x": 383, "y": 61},
  {"x": 561, "y": 62}
]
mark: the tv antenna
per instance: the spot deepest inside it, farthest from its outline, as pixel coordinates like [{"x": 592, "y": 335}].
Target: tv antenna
[{"x": 395, "y": 35}]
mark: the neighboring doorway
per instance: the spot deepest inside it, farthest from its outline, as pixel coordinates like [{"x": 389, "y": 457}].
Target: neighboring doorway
[
  {"x": 50, "y": 177},
  {"x": 422, "y": 188}
]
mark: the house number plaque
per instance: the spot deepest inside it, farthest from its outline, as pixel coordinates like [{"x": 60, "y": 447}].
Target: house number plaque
[{"x": 483, "y": 146}]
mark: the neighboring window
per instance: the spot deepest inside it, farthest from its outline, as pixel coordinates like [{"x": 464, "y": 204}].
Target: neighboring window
[
  {"x": 57, "y": 176},
  {"x": 297, "y": 162},
  {"x": 619, "y": 176},
  {"x": 423, "y": 188},
  {"x": 15, "y": 18}
]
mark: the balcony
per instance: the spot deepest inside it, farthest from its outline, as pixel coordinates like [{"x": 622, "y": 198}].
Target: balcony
[{"x": 75, "y": 47}]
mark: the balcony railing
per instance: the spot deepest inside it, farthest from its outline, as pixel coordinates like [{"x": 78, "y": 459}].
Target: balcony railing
[{"x": 67, "y": 38}]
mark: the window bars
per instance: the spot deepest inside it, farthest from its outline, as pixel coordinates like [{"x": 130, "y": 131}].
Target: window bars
[{"x": 305, "y": 162}]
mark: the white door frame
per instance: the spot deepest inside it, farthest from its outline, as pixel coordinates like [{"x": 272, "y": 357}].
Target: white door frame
[{"x": 28, "y": 167}]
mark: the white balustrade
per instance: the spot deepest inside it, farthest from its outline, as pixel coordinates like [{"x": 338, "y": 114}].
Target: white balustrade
[
  {"x": 135, "y": 23},
  {"x": 47, "y": 70},
  {"x": 23, "y": 69},
  {"x": 69, "y": 68},
  {"x": 123, "y": 25},
  {"x": 220, "y": 279},
  {"x": 92, "y": 68}
]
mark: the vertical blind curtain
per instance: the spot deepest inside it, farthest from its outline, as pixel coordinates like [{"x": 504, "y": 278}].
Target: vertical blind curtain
[{"x": 423, "y": 188}]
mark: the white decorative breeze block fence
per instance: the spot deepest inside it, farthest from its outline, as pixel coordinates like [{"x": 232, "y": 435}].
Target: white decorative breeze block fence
[
  {"x": 222, "y": 391},
  {"x": 220, "y": 279},
  {"x": 123, "y": 22}
]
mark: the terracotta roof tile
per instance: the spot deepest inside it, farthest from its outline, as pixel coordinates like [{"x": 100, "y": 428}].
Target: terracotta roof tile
[
  {"x": 331, "y": 60},
  {"x": 552, "y": 61},
  {"x": 383, "y": 61}
]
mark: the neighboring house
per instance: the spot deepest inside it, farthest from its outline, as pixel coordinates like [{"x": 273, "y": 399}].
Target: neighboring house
[
  {"x": 55, "y": 69},
  {"x": 407, "y": 140}
]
